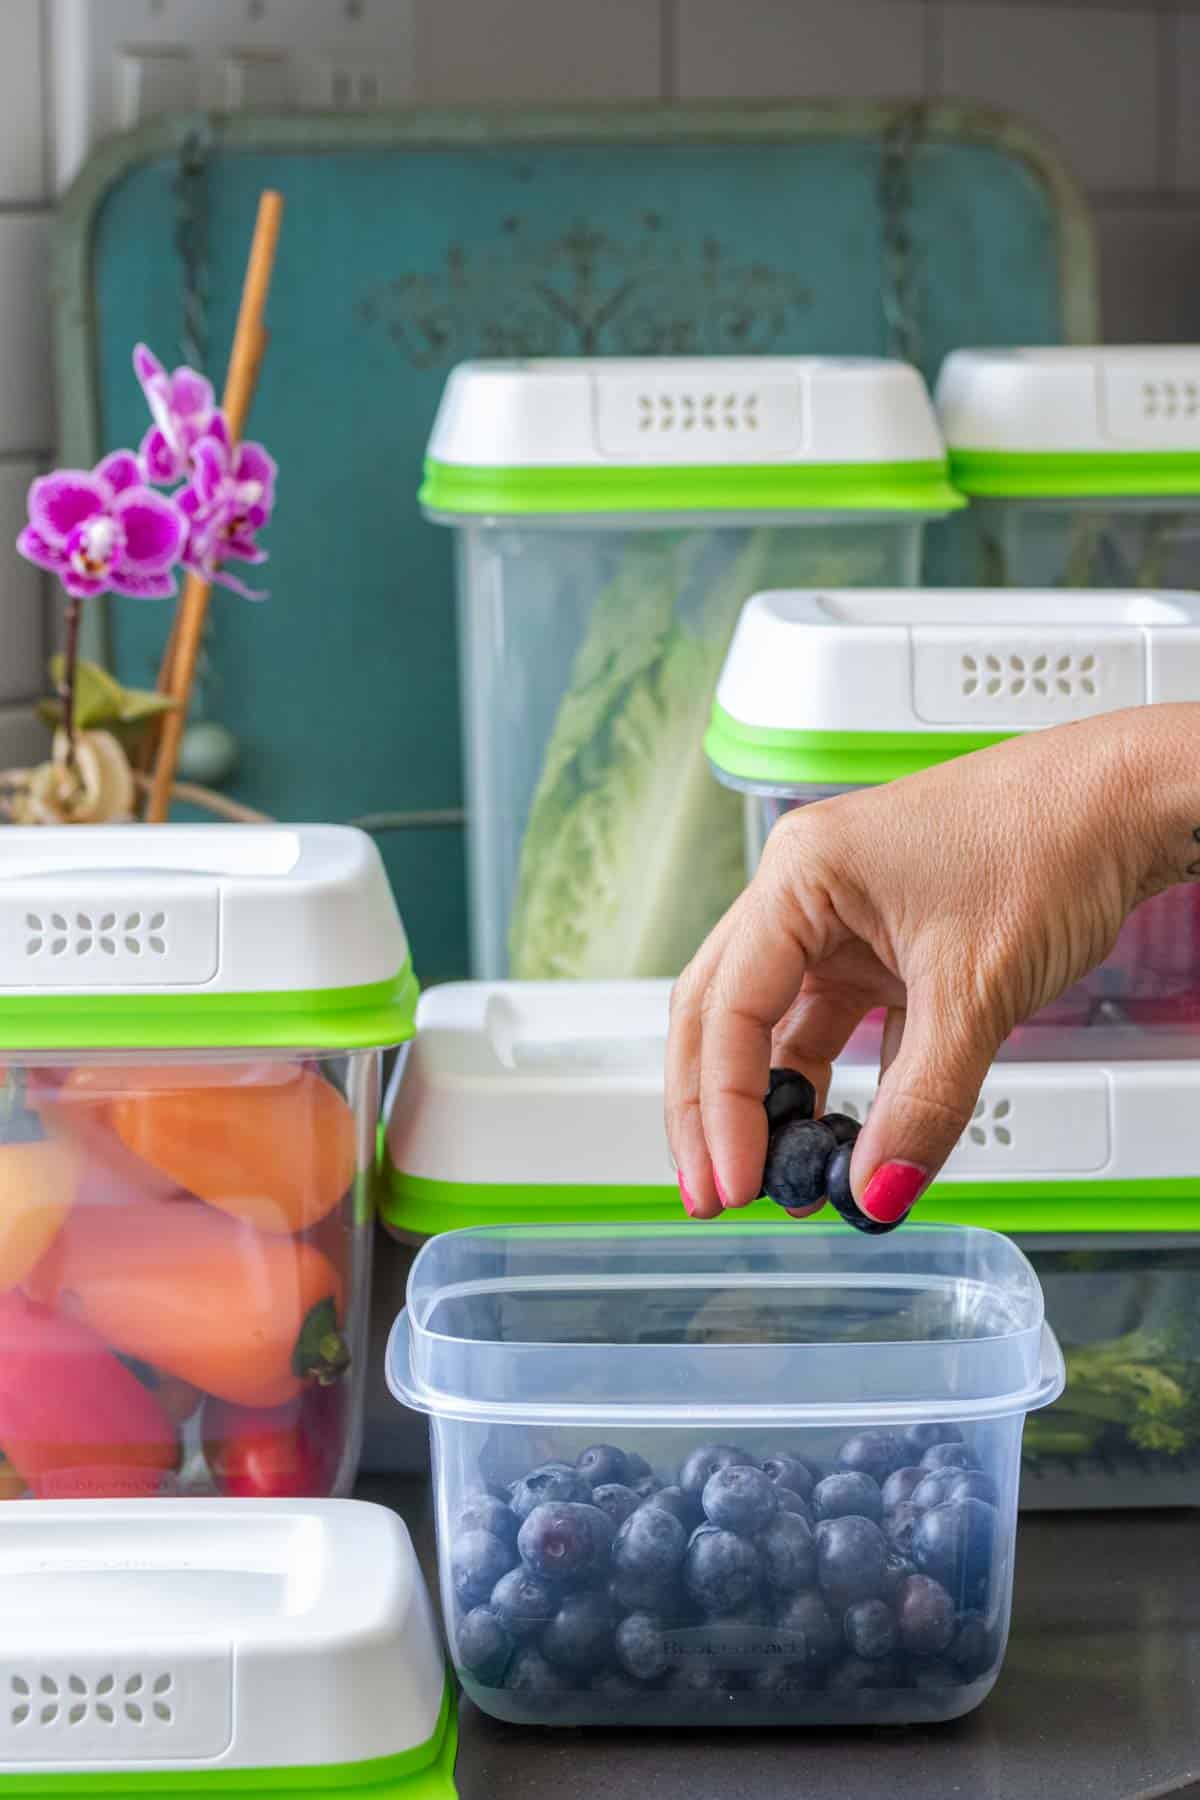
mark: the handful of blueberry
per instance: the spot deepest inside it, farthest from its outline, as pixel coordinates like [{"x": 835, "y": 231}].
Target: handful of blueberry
[
  {"x": 778, "y": 1578},
  {"x": 808, "y": 1159}
]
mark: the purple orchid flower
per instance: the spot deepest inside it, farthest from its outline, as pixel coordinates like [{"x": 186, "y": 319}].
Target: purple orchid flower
[
  {"x": 183, "y": 408},
  {"x": 227, "y": 502},
  {"x": 104, "y": 530}
]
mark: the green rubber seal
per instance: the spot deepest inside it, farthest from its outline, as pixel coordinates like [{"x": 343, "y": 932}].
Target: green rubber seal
[
  {"x": 1075, "y": 474},
  {"x": 373, "y": 1016},
  {"x": 765, "y": 754},
  {"x": 415, "y": 1206},
  {"x": 899, "y": 487}
]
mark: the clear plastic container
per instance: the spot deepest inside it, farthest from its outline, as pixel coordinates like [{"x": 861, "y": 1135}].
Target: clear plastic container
[
  {"x": 611, "y": 517},
  {"x": 1082, "y": 463},
  {"x": 822, "y": 693},
  {"x": 191, "y": 1026},
  {"x": 655, "y": 1347},
  {"x": 1126, "y": 1433}
]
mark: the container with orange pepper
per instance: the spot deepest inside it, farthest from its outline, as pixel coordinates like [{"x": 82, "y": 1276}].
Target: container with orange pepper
[{"x": 192, "y": 1021}]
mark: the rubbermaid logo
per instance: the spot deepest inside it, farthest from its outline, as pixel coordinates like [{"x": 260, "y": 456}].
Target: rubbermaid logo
[{"x": 85, "y": 934}]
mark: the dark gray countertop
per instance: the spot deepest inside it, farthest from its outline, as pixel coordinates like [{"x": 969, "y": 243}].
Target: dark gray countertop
[{"x": 1099, "y": 1698}]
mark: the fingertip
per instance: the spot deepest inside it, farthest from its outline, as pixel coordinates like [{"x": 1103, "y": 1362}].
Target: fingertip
[
  {"x": 893, "y": 1191},
  {"x": 697, "y": 1206}
]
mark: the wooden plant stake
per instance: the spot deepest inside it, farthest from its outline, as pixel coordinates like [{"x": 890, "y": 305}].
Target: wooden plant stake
[{"x": 245, "y": 360}]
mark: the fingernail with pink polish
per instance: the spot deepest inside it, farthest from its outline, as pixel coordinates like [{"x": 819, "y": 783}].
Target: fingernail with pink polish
[
  {"x": 722, "y": 1196},
  {"x": 892, "y": 1191},
  {"x": 689, "y": 1205}
]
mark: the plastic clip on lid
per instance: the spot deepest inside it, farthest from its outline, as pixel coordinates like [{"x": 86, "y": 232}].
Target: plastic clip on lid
[
  {"x": 1073, "y": 422},
  {"x": 686, "y": 435},
  {"x": 209, "y": 936}
]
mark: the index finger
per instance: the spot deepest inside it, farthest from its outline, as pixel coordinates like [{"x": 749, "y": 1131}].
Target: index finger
[{"x": 754, "y": 982}]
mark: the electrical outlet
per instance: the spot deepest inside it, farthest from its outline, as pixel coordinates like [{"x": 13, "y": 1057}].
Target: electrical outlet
[{"x": 116, "y": 63}]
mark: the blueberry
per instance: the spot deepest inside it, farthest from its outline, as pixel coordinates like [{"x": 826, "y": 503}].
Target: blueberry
[
  {"x": 974, "y": 1649},
  {"x": 721, "y": 1570},
  {"x": 899, "y": 1526},
  {"x": 973, "y": 1484},
  {"x": 483, "y": 1512},
  {"x": 636, "y": 1468},
  {"x": 616, "y": 1686},
  {"x": 870, "y": 1627},
  {"x": 851, "y": 1559},
  {"x": 603, "y": 1464},
  {"x": 686, "y": 1507},
  {"x": 780, "y": 1681},
  {"x": 531, "y": 1675},
  {"x": 483, "y": 1646},
  {"x": 947, "y": 1456},
  {"x": 739, "y": 1499},
  {"x": 806, "y": 1617},
  {"x": 641, "y": 1646},
  {"x": 552, "y": 1481},
  {"x": 896, "y": 1572},
  {"x": 580, "y": 1635},
  {"x": 935, "y": 1676},
  {"x": 844, "y": 1128},
  {"x": 477, "y": 1561},
  {"x": 649, "y": 1546},
  {"x": 920, "y": 1438},
  {"x": 847, "y": 1495},
  {"x": 523, "y": 1603},
  {"x": 666, "y": 1599},
  {"x": 925, "y": 1615},
  {"x": 790, "y": 1096},
  {"x": 900, "y": 1486},
  {"x": 645, "y": 1485},
  {"x": 956, "y": 1544},
  {"x": 841, "y": 1195},
  {"x": 566, "y": 1542},
  {"x": 855, "y": 1675},
  {"x": 787, "y": 1502},
  {"x": 617, "y": 1501},
  {"x": 874, "y": 1453},
  {"x": 789, "y": 1554},
  {"x": 798, "y": 1156},
  {"x": 790, "y": 1472},
  {"x": 696, "y": 1469},
  {"x": 697, "y": 1681},
  {"x": 934, "y": 1489}
]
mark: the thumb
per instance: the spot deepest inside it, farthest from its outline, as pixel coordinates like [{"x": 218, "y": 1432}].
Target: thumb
[{"x": 925, "y": 1102}]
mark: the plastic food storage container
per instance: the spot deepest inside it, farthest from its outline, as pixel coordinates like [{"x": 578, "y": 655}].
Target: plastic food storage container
[
  {"x": 219, "y": 1647},
  {"x": 611, "y": 516},
  {"x": 191, "y": 1021},
  {"x": 1082, "y": 464},
  {"x": 660, "y": 1463},
  {"x": 823, "y": 691}
]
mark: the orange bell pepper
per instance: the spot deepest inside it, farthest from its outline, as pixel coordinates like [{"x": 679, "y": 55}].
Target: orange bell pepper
[
  {"x": 74, "y": 1422},
  {"x": 39, "y": 1180},
  {"x": 248, "y": 1317},
  {"x": 273, "y": 1144}
]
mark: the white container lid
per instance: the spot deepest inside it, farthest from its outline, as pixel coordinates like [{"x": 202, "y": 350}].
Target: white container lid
[
  {"x": 646, "y": 434},
  {"x": 1073, "y": 421},
  {"x": 200, "y": 935},
  {"x": 860, "y": 686},
  {"x": 185, "y": 1636},
  {"x": 539, "y": 1101}
]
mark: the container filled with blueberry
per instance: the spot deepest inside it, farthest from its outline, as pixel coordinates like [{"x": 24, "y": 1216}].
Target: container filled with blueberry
[{"x": 770, "y": 1478}]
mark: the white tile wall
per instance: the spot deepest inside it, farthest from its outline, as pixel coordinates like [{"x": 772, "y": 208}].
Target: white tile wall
[
  {"x": 22, "y": 649},
  {"x": 758, "y": 49},
  {"x": 567, "y": 50},
  {"x": 22, "y": 78}
]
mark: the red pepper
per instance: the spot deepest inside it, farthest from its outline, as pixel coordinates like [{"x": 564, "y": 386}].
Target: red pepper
[
  {"x": 277, "y": 1452},
  {"x": 75, "y": 1423}
]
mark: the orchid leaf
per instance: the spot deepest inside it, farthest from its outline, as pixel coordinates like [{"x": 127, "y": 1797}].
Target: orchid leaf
[{"x": 100, "y": 700}]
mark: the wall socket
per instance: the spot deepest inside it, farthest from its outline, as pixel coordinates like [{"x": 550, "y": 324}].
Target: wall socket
[{"x": 116, "y": 63}]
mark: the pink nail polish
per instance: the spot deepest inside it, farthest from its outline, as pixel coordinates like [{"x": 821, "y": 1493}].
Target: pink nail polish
[
  {"x": 689, "y": 1205},
  {"x": 892, "y": 1191},
  {"x": 722, "y": 1196}
]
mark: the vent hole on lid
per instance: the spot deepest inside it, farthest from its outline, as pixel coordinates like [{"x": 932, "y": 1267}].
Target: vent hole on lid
[
  {"x": 108, "y": 946},
  {"x": 77, "y": 1714},
  {"x": 133, "y": 921},
  {"x": 82, "y": 946},
  {"x": 49, "y": 1685},
  {"x": 77, "y": 1684},
  {"x": 992, "y": 662},
  {"x": 1018, "y": 686},
  {"x": 977, "y": 1134},
  {"x": 19, "y": 1685},
  {"x": 106, "y": 1714},
  {"x": 158, "y": 946},
  {"x": 1038, "y": 663},
  {"x": 1002, "y": 1109},
  {"x": 33, "y": 946},
  {"x": 1064, "y": 662},
  {"x": 20, "y": 1713},
  {"x": 979, "y": 1109},
  {"x": 133, "y": 947},
  {"x": 1089, "y": 687},
  {"x": 1086, "y": 663},
  {"x": 969, "y": 663},
  {"x": 105, "y": 1684},
  {"x": 49, "y": 1714},
  {"x": 1064, "y": 687},
  {"x": 82, "y": 922},
  {"x": 157, "y": 921},
  {"x": 133, "y": 1712},
  {"x": 1017, "y": 663},
  {"x": 162, "y": 1711},
  {"x": 994, "y": 685},
  {"x": 1003, "y": 1136},
  {"x": 162, "y": 1684},
  {"x": 33, "y": 922},
  {"x": 57, "y": 946},
  {"x": 58, "y": 922},
  {"x": 108, "y": 922},
  {"x": 970, "y": 686},
  {"x": 134, "y": 1685}
]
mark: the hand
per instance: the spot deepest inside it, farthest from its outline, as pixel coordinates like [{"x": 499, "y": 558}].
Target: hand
[{"x": 962, "y": 900}]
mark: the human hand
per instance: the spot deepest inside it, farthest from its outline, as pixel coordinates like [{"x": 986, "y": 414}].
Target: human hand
[{"x": 962, "y": 900}]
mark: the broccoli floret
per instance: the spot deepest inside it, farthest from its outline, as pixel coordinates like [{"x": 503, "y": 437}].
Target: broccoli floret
[{"x": 1146, "y": 1384}]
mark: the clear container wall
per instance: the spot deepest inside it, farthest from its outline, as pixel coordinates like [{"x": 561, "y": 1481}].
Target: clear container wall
[
  {"x": 589, "y": 657},
  {"x": 1151, "y": 979},
  {"x": 1127, "y": 1431},
  {"x": 184, "y": 1273},
  {"x": 1136, "y": 544}
]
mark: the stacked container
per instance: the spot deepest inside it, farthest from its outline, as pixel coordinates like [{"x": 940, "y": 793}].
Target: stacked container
[
  {"x": 1083, "y": 464},
  {"x": 191, "y": 1022},
  {"x": 822, "y": 693},
  {"x": 611, "y": 517}
]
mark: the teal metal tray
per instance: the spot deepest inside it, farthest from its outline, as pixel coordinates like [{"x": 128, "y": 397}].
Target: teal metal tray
[{"x": 412, "y": 240}]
